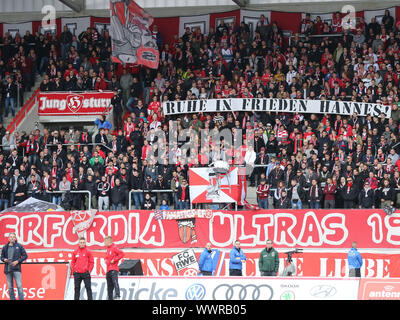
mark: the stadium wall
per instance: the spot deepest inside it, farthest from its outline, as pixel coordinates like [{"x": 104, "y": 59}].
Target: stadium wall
[
  {"x": 170, "y": 26},
  {"x": 154, "y": 237}
]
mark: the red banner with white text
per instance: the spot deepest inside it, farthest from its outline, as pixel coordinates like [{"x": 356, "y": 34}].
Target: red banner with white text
[
  {"x": 308, "y": 264},
  {"x": 73, "y": 103},
  {"x": 322, "y": 229}
]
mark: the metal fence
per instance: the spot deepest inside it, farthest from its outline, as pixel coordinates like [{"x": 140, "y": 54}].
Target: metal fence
[{"x": 73, "y": 192}]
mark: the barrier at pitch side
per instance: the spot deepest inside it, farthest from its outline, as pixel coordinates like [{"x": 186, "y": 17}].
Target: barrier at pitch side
[
  {"x": 40, "y": 281},
  {"x": 309, "y": 264},
  {"x": 379, "y": 289},
  {"x": 226, "y": 288},
  {"x": 322, "y": 229}
]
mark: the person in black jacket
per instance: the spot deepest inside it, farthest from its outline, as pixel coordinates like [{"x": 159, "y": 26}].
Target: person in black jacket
[
  {"x": 91, "y": 185},
  {"x": 13, "y": 254},
  {"x": 66, "y": 40},
  {"x": 148, "y": 204},
  {"x": 103, "y": 192},
  {"x": 20, "y": 192},
  {"x": 284, "y": 201},
  {"x": 5, "y": 192},
  {"x": 76, "y": 197},
  {"x": 148, "y": 186},
  {"x": 118, "y": 195},
  {"x": 183, "y": 195},
  {"x": 271, "y": 147},
  {"x": 161, "y": 184},
  {"x": 349, "y": 194},
  {"x": 387, "y": 194},
  {"x": 136, "y": 184},
  {"x": 315, "y": 195},
  {"x": 116, "y": 104},
  {"x": 10, "y": 96},
  {"x": 366, "y": 197}
]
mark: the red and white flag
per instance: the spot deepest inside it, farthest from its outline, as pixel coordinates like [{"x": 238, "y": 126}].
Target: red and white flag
[
  {"x": 82, "y": 220},
  {"x": 132, "y": 40}
]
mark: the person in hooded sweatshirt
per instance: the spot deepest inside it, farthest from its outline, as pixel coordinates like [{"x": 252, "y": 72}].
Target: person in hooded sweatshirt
[
  {"x": 206, "y": 261},
  {"x": 236, "y": 260},
  {"x": 82, "y": 264}
]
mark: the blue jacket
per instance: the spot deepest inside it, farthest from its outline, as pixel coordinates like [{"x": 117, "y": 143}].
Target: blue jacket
[
  {"x": 235, "y": 259},
  {"x": 206, "y": 261},
  {"x": 105, "y": 125},
  {"x": 19, "y": 255},
  {"x": 354, "y": 258}
]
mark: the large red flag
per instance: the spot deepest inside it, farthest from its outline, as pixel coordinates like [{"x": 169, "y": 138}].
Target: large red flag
[{"x": 132, "y": 41}]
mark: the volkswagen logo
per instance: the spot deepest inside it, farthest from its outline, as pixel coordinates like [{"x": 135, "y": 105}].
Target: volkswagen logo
[
  {"x": 323, "y": 291},
  {"x": 243, "y": 292},
  {"x": 195, "y": 292}
]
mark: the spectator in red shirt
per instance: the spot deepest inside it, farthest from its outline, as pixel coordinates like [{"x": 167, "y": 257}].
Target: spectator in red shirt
[{"x": 82, "y": 265}]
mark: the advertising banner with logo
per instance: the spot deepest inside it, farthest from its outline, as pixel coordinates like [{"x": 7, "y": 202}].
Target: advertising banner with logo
[
  {"x": 308, "y": 264},
  {"x": 211, "y": 288},
  {"x": 322, "y": 229},
  {"x": 186, "y": 263},
  {"x": 40, "y": 281},
  {"x": 73, "y": 103},
  {"x": 279, "y": 105},
  {"x": 379, "y": 289}
]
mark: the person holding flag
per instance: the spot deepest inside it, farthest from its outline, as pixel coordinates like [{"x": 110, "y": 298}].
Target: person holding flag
[{"x": 236, "y": 260}]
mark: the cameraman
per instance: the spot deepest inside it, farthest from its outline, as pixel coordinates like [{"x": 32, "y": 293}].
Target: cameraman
[{"x": 269, "y": 261}]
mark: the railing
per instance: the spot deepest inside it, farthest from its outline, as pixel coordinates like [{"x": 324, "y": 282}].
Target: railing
[
  {"x": 301, "y": 35},
  {"x": 23, "y": 112},
  {"x": 81, "y": 144},
  {"x": 158, "y": 191},
  {"x": 72, "y": 191},
  {"x": 140, "y": 190}
]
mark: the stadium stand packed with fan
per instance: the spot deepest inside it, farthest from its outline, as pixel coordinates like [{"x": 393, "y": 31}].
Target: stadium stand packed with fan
[{"x": 301, "y": 160}]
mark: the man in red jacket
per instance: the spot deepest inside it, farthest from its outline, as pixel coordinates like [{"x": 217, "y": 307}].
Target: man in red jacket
[
  {"x": 82, "y": 264},
  {"x": 329, "y": 192},
  {"x": 113, "y": 256}
]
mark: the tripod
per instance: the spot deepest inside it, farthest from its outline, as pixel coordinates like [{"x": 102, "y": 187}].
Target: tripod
[{"x": 290, "y": 266}]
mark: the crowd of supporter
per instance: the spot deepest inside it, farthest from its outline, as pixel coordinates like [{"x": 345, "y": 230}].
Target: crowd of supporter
[{"x": 299, "y": 160}]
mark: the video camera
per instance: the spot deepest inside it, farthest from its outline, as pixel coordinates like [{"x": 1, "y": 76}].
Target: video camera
[
  {"x": 297, "y": 250},
  {"x": 289, "y": 253}
]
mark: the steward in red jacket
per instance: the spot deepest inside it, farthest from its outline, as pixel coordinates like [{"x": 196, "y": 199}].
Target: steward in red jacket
[
  {"x": 113, "y": 256},
  {"x": 81, "y": 265}
]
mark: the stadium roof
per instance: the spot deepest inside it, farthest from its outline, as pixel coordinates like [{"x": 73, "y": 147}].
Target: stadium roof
[{"x": 16, "y": 10}]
